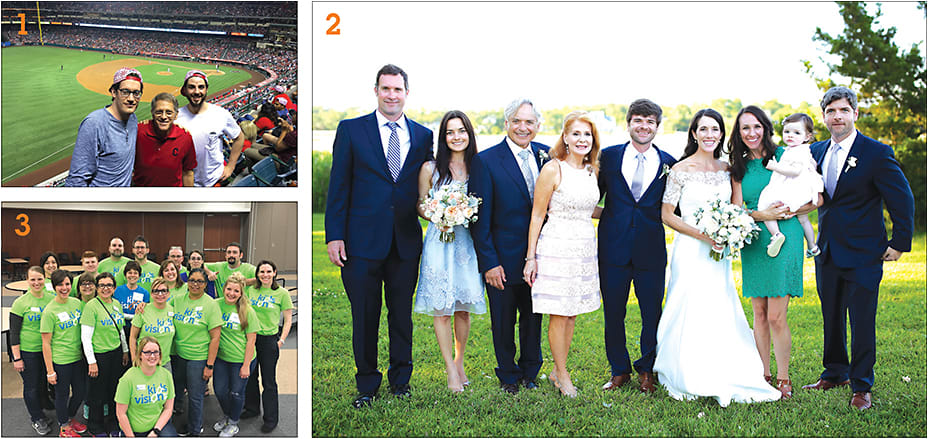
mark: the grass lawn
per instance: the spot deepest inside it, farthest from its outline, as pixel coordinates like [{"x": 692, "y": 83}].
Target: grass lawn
[
  {"x": 43, "y": 106},
  {"x": 483, "y": 410}
]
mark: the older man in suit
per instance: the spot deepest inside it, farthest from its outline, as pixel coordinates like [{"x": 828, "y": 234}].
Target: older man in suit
[
  {"x": 372, "y": 229},
  {"x": 504, "y": 177},
  {"x": 861, "y": 176},
  {"x": 631, "y": 241}
]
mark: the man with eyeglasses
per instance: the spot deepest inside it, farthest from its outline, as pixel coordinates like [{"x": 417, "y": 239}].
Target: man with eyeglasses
[
  {"x": 176, "y": 254},
  {"x": 207, "y": 123},
  {"x": 164, "y": 152},
  {"x": 149, "y": 268},
  {"x": 104, "y": 151}
]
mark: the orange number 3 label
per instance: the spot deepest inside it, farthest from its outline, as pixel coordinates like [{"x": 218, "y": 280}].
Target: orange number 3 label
[
  {"x": 24, "y": 223},
  {"x": 333, "y": 29},
  {"x": 22, "y": 24}
]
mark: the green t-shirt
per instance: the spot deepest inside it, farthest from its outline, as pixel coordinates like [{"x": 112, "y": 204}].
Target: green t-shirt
[
  {"x": 179, "y": 291},
  {"x": 149, "y": 273},
  {"x": 145, "y": 395},
  {"x": 30, "y": 309},
  {"x": 232, "y": 337},
  {"x": 192, "y": 321},
  {"x": 105, "y": 331},
  {"x": 158, "y": 323},
  {"x": 268, "y": 304},
  {"x": 108, "y": 265},
  {"x": 223, "y": 272},
  {"x": 62, "y": 320}
]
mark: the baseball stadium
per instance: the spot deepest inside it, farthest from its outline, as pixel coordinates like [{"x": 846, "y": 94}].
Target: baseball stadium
[{"x": 59, "y": 59}]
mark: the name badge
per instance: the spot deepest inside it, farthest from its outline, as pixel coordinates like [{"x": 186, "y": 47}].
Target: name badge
[
  {"x": 141, "y": 387},
  {"x": 138, "y": 297},
  {"x": 63, "y": 316},
  {"x": 170, "y": 313},
  {"x": 35, "y": 309},
  {"x": 233, "y": 318},
  {"x": 199, "y": 308}
]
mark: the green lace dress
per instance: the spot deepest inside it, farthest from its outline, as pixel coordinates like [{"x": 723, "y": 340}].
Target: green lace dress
[{"x": 763, "y": 276}]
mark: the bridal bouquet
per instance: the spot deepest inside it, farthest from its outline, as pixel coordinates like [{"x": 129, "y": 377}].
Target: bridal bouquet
[
  {"x": 449, "y": 206},
  {"x": 728, "y": 225}
]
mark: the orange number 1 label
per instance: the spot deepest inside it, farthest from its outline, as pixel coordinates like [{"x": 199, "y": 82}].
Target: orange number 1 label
[
  {"x": 22, "y": 24},
  {"x": 24, "y": 222},
  {"x": 333, "y": 29}
]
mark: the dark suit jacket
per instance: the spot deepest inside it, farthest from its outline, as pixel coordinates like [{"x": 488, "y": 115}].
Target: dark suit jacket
[
  {"x": 501, "y": 231},
  {"x": 851, "y": 229},
  {"x": 365, "y": 207},
  {"x": 631, "y": 232}
]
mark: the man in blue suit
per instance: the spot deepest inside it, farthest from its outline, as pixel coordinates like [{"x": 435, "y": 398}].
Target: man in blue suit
[
  {"x": 631, "y": 241},
  {"x": 861, "y": 176},
  {"x": 372, "y": 228},
  {"x": 504, "y": 177}
]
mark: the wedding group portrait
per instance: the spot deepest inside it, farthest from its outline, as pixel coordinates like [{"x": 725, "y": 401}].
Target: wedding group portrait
[{"x": 630, "y": 269}]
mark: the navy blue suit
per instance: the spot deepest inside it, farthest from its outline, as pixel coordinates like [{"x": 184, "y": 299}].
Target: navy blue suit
[
  {"x": 631, "y": 247},
  {"x": 377, "y": 219},
  {"x": 852, "y": 237},
  {"x": 501, "y": 238}
]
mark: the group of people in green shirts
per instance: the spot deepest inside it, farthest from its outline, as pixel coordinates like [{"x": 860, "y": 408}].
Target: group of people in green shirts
[{"x": 84, "y": 334}]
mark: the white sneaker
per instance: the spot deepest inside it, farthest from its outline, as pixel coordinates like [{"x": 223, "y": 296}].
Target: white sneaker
[
  {"x": 41, "y": 427},
  {"x": 776, "y": 243},
  {"x": 229, "y": 431},
  {"x": 221, "y": 423}
]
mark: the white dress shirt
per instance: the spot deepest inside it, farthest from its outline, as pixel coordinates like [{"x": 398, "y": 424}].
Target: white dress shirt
[
  {"x": 842, "y": 155},
  {"x": 402, "y": 131},
  {"x": 516, "y": 149},
  {"x": 652, "y": 160}
]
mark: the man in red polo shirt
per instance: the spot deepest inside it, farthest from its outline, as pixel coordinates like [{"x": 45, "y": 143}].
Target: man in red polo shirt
[{"x": 164, "y": 152}]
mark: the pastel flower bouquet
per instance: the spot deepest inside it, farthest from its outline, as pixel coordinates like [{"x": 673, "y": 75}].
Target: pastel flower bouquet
[
  {"x": 449, "y": 206},
  {"x": 729, "y": 226}
]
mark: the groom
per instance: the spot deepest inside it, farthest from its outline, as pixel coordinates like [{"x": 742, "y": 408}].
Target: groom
[
  {"x": 631, "y": 241},
  {"x": 861, "y": 176},
  {"x": 504, "y": 177}
]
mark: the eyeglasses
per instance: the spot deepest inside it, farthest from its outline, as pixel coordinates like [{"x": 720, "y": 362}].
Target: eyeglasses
[
  {"x": 151, "y": 353},
  {"x": 106, "y": 286},
  {"x": 196, "y": 281},
  {"x": 125, "y": 93},
  {"x": 160, "y": 291},
  {"x": 86, "y": 284}
]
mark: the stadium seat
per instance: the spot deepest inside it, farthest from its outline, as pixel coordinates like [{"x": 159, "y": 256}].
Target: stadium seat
[
  {"x": 248, "y": 181},
  {"x": 265, "y": 172}
]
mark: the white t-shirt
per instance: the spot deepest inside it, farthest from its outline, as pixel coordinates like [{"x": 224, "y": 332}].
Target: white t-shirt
[{"x": 206, "y": 128}]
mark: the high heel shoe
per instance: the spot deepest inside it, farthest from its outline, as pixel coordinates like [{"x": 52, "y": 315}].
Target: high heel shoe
[{"x": 785, "y": 387}]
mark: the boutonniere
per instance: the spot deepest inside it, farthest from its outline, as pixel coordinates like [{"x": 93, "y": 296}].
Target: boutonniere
[
  {"x": 543, "y": 156},
  {"x": 851, "y": 163},
  {"x": 664, "y": 170}
]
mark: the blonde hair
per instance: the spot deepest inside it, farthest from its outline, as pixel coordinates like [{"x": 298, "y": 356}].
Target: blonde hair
[
  {"x": 249, "y": 129},
  {"x": 242, "y": 302},
  {"x": 560, "y": 148},
  {"x": 144, "y": 341}
]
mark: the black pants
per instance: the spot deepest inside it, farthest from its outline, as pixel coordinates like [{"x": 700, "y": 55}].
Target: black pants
[
  {"x": 102, "y": 390},
  {"x": 267, "y": 353}
]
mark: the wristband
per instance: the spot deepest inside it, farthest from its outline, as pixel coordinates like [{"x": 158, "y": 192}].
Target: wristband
[
  {"x": 17, "y": 359},
  {"x": 51, "y": 374},
  {"x": 529, "y": 259},
  {"x": 157, "y": 431},
  {"x": 209, "y": 366}
]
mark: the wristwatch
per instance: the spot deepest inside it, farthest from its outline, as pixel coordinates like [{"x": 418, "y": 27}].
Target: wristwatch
[
  {"x": 209, "y": 366},
  {"x": 157, "y": 431}
]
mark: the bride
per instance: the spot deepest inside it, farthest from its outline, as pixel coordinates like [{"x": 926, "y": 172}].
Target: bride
[{"x": 704, "y": 344}]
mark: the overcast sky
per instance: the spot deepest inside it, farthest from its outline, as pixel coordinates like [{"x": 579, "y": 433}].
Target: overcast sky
[{"x": 472, "y": 56}]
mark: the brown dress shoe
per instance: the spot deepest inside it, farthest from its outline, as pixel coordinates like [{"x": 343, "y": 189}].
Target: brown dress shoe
[
  {"x": 825, "y": 385},
  {"x": 861, "y": 400},
  {"x": 646, "y": 382},
  {"x": 617, "y": 381}
]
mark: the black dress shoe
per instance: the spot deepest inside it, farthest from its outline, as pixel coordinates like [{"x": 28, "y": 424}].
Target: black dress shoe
[
  {"x": 528, "y": 384},
  {"x": 363, "y": 400},
  {"x": 268, "y": 427},
  {"x": 248, "y": 414},
  {"x": 509, "y": 388},
  {"x": 401, "y": 391}
]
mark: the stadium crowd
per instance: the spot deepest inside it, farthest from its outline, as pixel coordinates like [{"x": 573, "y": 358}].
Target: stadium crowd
[{"x": 210, "y": 9}]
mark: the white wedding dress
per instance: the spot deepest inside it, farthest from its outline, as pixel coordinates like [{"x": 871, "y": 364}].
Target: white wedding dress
[{"x": 704, "y": 344}]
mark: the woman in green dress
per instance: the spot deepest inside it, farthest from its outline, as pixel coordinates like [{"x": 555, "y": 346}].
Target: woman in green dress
[{"x": 768, "y": 282}]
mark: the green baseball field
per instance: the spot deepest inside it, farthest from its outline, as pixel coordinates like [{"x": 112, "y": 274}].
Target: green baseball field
[{"x": 47, "y": 92}]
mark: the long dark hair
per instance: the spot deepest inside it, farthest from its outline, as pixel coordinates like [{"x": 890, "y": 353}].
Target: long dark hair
[
  {"x": 691, "y": 144},
  {"x": 274, "y": 285},
  {"x": 443, "y": 153},
  {"x": 737, "y": 150}
]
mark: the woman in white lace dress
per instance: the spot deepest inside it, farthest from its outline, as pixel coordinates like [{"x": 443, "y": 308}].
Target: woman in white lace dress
[
  {"x": 560, "y": 263},
  {"x": 449, "y": 282}
]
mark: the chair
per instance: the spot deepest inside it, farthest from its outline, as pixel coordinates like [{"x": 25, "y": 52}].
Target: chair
[
  {"x": 265, "y": 171},
  {"x": 248, "y": 181},
  {"x": 64, "y": 259}
]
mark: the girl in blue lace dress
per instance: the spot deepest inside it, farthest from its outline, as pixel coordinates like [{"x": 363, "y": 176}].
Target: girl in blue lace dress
[{"x": 449, "y": 281}]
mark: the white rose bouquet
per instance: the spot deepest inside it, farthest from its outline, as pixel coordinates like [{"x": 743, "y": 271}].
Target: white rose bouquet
[
  {"x": 729, "y": 226},
  {"x": 449, "y": 206}
]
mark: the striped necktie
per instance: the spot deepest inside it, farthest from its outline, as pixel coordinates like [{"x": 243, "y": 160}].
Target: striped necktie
[{"x": 393, "y": 151}]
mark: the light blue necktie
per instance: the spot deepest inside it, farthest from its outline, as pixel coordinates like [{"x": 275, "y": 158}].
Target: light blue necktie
[{"x": 526, "y": 155}]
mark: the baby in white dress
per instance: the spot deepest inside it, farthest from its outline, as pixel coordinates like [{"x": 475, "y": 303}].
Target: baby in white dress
[{"x": 794, "y": 182}]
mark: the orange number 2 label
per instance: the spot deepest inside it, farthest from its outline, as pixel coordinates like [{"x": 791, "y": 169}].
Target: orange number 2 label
[
  {"x": 22, "y": 24},
  {"x": 333, "y": 29},
  {"x": 24, "y": 222}
]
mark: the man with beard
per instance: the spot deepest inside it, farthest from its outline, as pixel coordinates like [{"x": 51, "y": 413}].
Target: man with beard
[
  {"x": 115, "y": 262},
  {"x": 220, "y": 271},
  {"x": 104, "y": 151},
  {"x": 149, "y": 268},
  {"x": 207, "y": 123},
  {"x": 164, "y": 154}
]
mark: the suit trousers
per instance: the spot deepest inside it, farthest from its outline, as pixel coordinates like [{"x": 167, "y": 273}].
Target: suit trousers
[
  {"x": 365, "y": 280},
  {"x": 503, "y": 306},
  {"x": 842, "y": 295},
  {"x": 615, "y": 281}
]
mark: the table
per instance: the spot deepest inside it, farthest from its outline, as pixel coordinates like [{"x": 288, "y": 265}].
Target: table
[
  {"x": 17, "y": 263},
  {"x": 20, "y": 286},
  {"x": 73, "y": 269}
]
